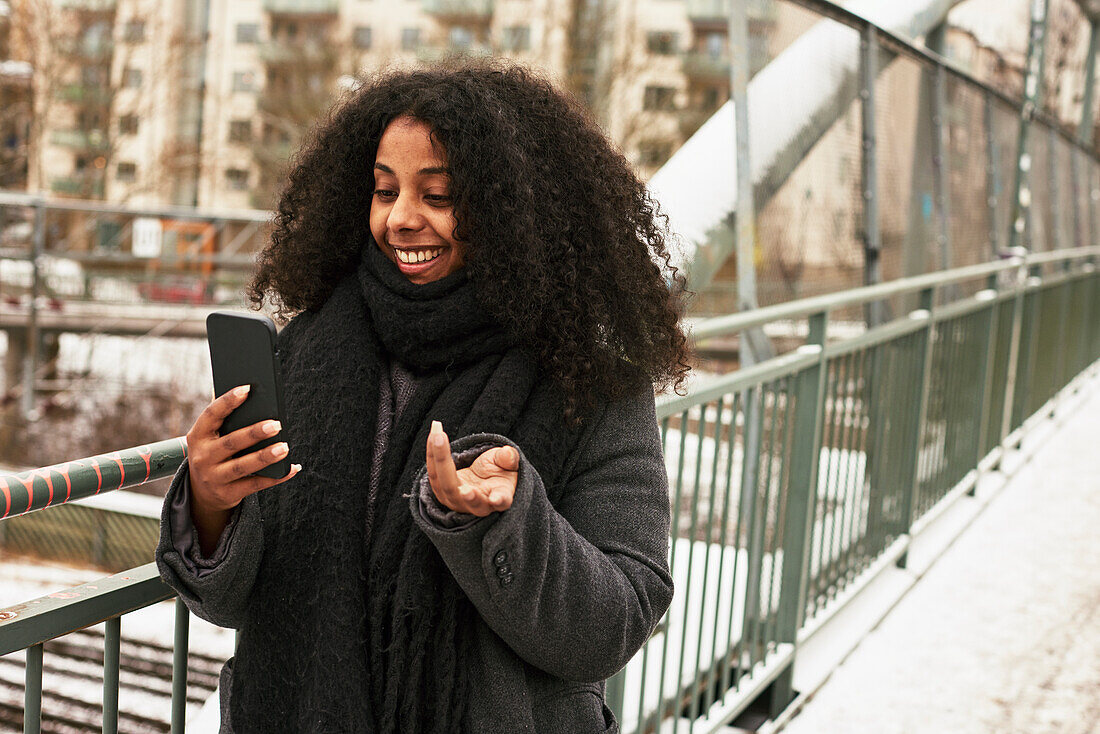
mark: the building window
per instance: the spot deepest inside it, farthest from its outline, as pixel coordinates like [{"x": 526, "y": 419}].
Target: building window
[
  {"x": 240, "y": 131},
  {"x": 248, "y": 32},
  {"x": 659, "y": 98},
  {"x": 361, "y": 36},
  {"x": 128, "y": 124},
  {"x": 237, "y": 179},
  {"x": 134, "y": 31},
  {"x": 126, "y": 172},
  {"x": 662, "y": 42},
  {"x": 94, "y": 76},
  {"x": 244, "y": 81},
  {"x": 714, "y": 44},
  {"x": 654, "y": 152},
  {"x": 460, "y": 37},
  {"x": 89, "y": 120},
  {"x": 517, "y": 38},
  {"x": 131, "y": 78},
  {"x": 410, "y": 39},
  {"x": 712, "y": 97}
]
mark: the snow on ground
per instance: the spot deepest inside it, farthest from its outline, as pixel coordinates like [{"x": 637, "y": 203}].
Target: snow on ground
[{"x": 1002, "y": 634}]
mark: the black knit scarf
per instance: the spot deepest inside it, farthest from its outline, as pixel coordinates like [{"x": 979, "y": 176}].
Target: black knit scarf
[{"x": 355, "y": 624}]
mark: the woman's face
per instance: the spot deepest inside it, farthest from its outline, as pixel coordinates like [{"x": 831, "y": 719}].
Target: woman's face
[{"x": 412, "y": 215}]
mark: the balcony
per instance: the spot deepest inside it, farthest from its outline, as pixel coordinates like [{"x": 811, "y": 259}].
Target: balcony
[
  {"x": 715, "y": 11},
  {"x": 88, "y": 49},
  {"x": 84, "y": 94},
  {"x": 90, "y": 6},
  {"x": 436, "y": 54},
  {"x": 77, "y": 185},
  {"x": 459, "y": 10},
  {"x": 706, "y": 67},
  {"x": 281, "y": 53},
  {"x": 302, "y": 7},
  {"x": 79, "y": 139}
]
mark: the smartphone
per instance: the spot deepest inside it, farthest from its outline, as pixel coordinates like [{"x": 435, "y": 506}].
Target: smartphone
[{"x": 243, "y": 352}]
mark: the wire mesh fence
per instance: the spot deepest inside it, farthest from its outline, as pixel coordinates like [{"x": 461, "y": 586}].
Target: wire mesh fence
[{"x": 932, "y": 184}]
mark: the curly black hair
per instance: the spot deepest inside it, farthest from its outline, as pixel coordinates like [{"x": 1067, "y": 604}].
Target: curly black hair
[{"x": 564, "y": 244}]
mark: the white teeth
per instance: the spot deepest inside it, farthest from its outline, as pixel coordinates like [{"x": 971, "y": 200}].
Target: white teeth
[{"x": 417, "y": 256}]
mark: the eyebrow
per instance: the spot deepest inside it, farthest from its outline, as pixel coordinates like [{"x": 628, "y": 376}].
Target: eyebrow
[{"x": 434, "y": 170}]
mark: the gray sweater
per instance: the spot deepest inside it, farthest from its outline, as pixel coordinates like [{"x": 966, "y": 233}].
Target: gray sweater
[{"x": 566, "y": 593}]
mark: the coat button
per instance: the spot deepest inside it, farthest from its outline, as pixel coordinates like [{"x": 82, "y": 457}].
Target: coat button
[
  {"x": 500, "y": 558},
  {"x": 506, "y": 580},
  {"x": 504, "y": 570}
]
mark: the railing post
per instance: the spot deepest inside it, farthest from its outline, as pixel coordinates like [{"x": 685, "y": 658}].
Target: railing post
[
  {"x": 179, "y": 668},
  {"x": 1059, "y": 239},
  {"x": 987, "y": 329},
  {"x": 910, "y": 473},
  {"x": 1012, "y": 369},
  {"x": 941, "y": 180},
  {"x": 872, "y": 236},
  {"x": 1029, "y": 331},
  {"x": 30, "y": 359},
  {"x": 992, "y": 176},
  {"x": 32, "y": 691},
  {"x": 802, "y": 501},
  {"x": 111, "y": 643}
]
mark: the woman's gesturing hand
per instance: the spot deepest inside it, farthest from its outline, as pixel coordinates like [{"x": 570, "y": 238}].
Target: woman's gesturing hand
[
  {"x": 488, "y": 485},
  {"x": 218, "y": 480}
]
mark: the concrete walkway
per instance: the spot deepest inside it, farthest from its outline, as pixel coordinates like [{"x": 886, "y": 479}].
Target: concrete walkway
[{"x": 1002, "y": 633}]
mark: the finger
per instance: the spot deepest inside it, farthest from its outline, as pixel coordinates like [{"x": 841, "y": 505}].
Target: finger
[
  {"x": 212, "y": 417},
  {"x": 501, "y": 501},
  {"x": 495, "y": 461},
  {"x": 250, "y": 485},
  {"x": 250, "y": 463},
  {"x": 440, "y": 448},
  {"x": 243, "y": 438},
  {"x": 505, "y": 457}
]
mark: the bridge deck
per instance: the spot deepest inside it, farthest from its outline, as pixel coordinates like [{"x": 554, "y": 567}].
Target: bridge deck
[{"x": 1002, "y": 633}]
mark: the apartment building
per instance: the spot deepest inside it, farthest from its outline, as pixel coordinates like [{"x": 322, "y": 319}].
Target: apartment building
[{"x": 201, "y": 102}]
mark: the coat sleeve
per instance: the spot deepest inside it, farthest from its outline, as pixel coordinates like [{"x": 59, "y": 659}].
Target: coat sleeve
[
  {"x": 575, "y": 588},
  {"x": 215, "y": 588}
]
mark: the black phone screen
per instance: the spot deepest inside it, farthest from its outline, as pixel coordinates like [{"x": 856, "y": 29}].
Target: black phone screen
[{"x": 243, "y": 352}]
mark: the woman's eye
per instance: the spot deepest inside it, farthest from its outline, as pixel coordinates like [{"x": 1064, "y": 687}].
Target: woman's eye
[
  {"x": 385, "y": 193},
  {"x": 438, "y": 199}
]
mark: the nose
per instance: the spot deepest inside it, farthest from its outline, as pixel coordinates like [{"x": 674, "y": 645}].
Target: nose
[{"x": 405, "y": 214}]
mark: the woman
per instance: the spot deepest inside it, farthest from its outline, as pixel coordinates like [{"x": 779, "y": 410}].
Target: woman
[{"x": 456, "y": 249}]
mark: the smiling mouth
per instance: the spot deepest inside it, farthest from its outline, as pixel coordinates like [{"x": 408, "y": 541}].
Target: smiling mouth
[{"x": 415, "y": 257}]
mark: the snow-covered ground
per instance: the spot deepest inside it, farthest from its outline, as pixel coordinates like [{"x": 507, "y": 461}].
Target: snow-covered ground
[{"x": 1002, "y": 633}]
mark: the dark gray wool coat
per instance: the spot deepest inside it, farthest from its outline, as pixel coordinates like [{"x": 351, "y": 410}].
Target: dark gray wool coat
[{"x": 566, "y": 593}]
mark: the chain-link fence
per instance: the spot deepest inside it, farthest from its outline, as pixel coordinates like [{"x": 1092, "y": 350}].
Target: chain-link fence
[{"x": 913, "y": 165}]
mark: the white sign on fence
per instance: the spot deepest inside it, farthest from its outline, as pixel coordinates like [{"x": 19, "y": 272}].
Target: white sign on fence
[{"x": 147, "y": 237}]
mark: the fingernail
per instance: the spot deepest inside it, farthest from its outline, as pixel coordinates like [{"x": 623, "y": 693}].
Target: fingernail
[
  {"x": 438, "y": 440},
  {"x": 241, "y": 391},
  {"x": 295, "y": 468},
  {"x": 437, "y": 427},
  {"x": 280, "y": 449},
  {"x": 272, "y": 427}
]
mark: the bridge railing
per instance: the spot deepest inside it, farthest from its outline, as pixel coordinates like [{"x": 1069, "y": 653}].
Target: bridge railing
[
  {"x": 796, "y": 480},
  {"x": 793, "y": 481}
]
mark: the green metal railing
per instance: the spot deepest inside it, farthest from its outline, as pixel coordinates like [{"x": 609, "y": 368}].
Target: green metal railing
[
  {"x": 28, "y": 626},
  {"x": 795, "y": 480},
  {"x": 792, "y": 481}
]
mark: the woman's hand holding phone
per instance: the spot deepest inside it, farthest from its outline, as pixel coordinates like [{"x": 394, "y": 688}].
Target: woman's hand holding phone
[{"x": 219, "y": 478}]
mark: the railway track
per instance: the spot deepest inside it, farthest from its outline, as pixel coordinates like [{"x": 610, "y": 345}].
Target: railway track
[{"x": 72, "y": 685}]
